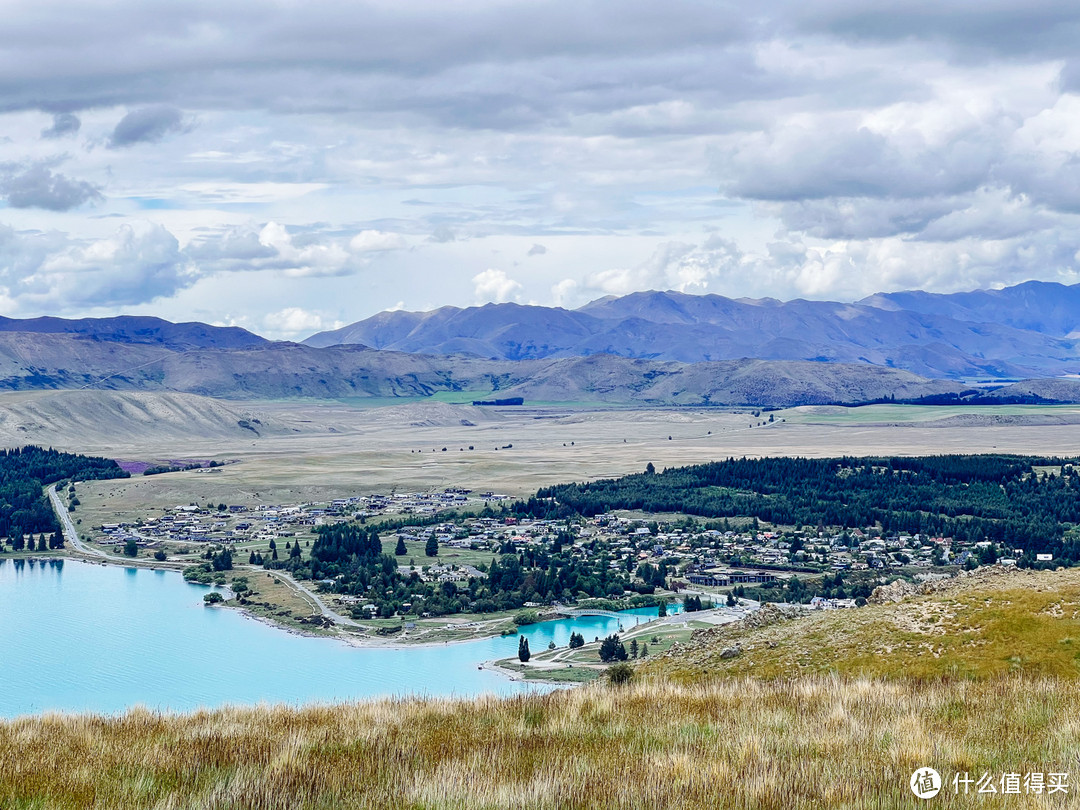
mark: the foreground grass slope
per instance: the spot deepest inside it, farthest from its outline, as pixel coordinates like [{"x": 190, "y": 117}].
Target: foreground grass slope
[
  {"x": 810, "y": 743},
  {"x": 822, "y": 723},
  {"x": 986, "y": 623}
]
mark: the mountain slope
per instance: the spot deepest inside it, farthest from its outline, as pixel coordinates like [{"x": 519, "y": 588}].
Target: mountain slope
[
  {"x": 287, "y": 370},
  {"x": 1038, "y": 306},
  {"x": 987, "y": 623},
  {"x": 140, "y": 329},
  {"x": 1025, "y": 331},
  {"x": 114, "y": 417}
]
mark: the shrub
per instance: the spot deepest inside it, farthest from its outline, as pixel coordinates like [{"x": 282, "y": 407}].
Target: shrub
[
  {"x": 526, "y": 617},
  {"x": 618, "y": 674}
]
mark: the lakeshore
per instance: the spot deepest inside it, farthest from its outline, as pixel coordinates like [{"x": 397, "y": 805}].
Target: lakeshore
[{"x": 112, "y": 637}]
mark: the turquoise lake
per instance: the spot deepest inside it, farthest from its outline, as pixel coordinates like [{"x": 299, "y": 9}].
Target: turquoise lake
[{"x": 81, "y": 637}]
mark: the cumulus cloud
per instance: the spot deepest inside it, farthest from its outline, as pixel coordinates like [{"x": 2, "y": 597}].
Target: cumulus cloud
[
  {"x": 38, "y": 187},
  {"x": 565, "y": 292},
  {"x": 295, "y": 252},
  {"x": 845, "y": 270},
  {"x": 375, "y": 241},
  {"x": 294, "y": 321},
  {"x": 147, "y": 125},
  {"x": 134, "y": 265},
  {"x": 494, "y": 286},
  {"x": 673, "y": 266},
  {"x": 63, "y": 125},
  {"x": 840, "y": 146}
]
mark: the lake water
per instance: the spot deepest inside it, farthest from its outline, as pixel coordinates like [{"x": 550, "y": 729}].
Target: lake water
[{"x": 77, "y": 636}]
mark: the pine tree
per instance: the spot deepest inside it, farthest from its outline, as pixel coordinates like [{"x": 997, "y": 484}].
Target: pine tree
[
  {"x": 400, "y": 550},
  {"x": 611, "y": 649},
  {"x": 431, "y": 548},
  {"x": 523, "y": 650}
]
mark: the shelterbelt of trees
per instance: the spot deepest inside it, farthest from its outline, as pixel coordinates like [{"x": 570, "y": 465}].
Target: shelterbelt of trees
[
  {"x": 26, "y": 471},
  {"x": 1030, "y": 502},
  {"x": 355, "y": 554}
]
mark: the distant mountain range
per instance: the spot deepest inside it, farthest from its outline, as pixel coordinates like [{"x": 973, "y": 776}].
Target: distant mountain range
[
  {"x": 1030, "y": 330},
  {"x": 647, "y": 348},
  {"x": 141, "y": 330}
]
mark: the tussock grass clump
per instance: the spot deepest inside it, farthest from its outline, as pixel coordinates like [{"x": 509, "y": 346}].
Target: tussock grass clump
[{"x": 809, "y": 743}]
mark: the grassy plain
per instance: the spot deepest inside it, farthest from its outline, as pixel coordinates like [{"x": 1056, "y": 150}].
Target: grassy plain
[
  {"x": 343, "y": 450},
  {"x": 901, "y": 414}
]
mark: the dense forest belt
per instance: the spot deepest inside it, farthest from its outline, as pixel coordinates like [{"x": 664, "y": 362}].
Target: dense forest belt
[
  {"x": 808, "y": 742},
  {"x": 1028, "y": 502},
  {"x": 24, "y": 474}
]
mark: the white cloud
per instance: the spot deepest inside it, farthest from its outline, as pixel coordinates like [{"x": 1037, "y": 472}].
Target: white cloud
[
  {"x": 295, "y": 321},
  {"x": 136, "y": 264},
  {"x": 272, "y": 246},
  {"x": 494, "y": 286},
  {"x": 373, "y": 241},
  {"x": 673, "y": 266},
  {"x": 839, "y": 147},
  {"x": 565, "y": 293},
  {"x": 224, "y": 192}
]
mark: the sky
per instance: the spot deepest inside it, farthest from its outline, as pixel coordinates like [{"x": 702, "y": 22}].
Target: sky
[{"x": 295, "y": 166}]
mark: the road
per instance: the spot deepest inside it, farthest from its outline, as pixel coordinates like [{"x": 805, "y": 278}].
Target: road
[
  {"x": 70, "y": 535},
  {"x": 333, "y": 616}
]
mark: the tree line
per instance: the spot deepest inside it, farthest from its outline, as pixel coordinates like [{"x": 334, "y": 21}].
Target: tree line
[
  {"x": 24, "y": 474},
  {"x": 1000, "y": 498}
]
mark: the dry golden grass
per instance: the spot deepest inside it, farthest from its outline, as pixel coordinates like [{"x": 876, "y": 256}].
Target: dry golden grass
[
  {"x": 991, "y": 623},
  {"x": 809, "y": 743}
]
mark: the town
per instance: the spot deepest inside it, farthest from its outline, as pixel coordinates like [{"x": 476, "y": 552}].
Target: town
[{"x": 452, "y": 535}]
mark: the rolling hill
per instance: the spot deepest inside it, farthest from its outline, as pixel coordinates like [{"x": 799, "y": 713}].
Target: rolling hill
[{"x": 31, "y": 361}]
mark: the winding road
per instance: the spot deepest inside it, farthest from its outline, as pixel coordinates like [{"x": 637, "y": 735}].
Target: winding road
[
  {"x": 70, "y": 535},
  {"x": 333, "y": 616}
]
